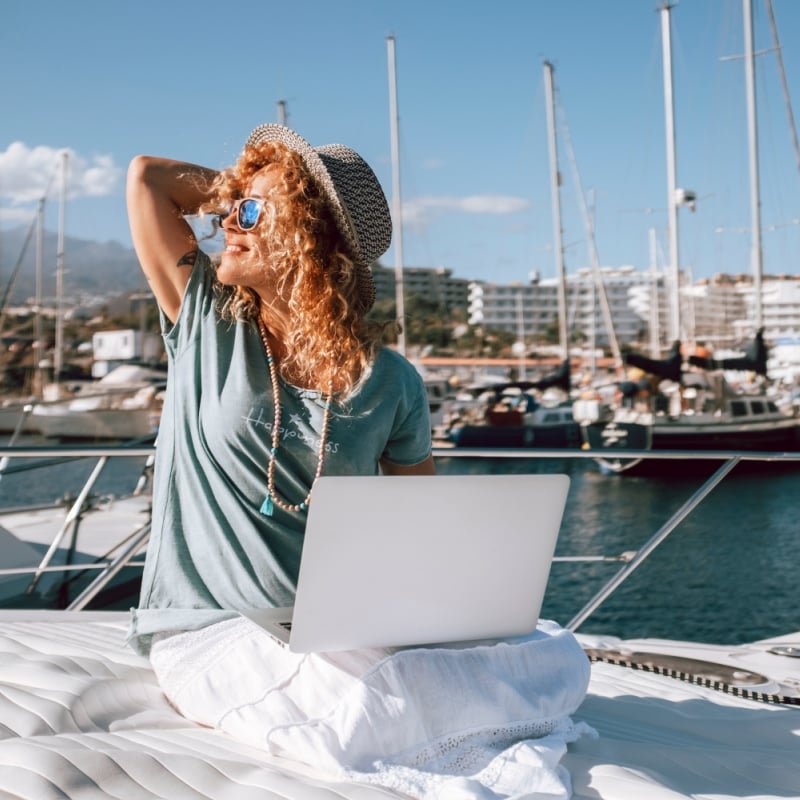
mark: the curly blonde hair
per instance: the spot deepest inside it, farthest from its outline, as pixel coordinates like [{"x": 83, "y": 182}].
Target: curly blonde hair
[{"x": 329, "y": 341}]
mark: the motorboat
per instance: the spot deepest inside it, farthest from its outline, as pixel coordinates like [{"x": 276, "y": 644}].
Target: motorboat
[
  {"x": 513, "y": 414},
  {"x": 124, "y": 404},
  {"x": 506, "y": 420}
]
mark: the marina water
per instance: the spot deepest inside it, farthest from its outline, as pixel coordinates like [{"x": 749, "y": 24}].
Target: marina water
[{"x": 728, "y": 573}]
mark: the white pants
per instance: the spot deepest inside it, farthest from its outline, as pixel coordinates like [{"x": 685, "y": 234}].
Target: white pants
[{"x": 418, "y": 720}]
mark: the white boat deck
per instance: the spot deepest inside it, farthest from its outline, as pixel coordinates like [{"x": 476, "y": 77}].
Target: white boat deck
[
  {"x": 26, "y": 535},
  {"x": 81, "y": 716}
]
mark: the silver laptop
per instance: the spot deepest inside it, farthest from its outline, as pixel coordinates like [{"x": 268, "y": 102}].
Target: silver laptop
[{"x": 420, "y": 560}]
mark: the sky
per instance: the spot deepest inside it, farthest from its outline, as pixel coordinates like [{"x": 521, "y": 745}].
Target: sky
[{"x": 189, "y": 80}]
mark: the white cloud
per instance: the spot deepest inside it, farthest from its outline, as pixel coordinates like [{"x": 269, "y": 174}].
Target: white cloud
[
  {"x": 15, "y": 215},
  {"x": 422, "y": 209},
  {"x": 25, "y": 173}
]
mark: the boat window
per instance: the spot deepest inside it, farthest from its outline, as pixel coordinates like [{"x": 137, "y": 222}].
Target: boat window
[
  {"x": 757, "y": 406},
  {"x": 738, "y": 408},
  {"x": 772, "y": 407}
]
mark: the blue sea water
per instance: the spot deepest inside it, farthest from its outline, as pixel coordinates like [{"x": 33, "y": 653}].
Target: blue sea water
[{"x": 729, "y": 573}]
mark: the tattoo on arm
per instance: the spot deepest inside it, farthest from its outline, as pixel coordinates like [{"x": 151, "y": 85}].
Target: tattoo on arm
[{"x": 187, "y": 259}]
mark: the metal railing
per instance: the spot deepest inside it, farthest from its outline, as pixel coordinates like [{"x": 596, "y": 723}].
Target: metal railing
[
  {"x": 132, "y": 544},
  {"x": 109, "y": 567}
]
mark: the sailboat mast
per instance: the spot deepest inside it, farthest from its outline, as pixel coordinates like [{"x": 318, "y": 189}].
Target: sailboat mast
[
  {"x": 282, "y": 114},
  {"x": 672, "y": 194},
  {"x": 38, "y": 333},
  {"x": 397, "y": 203},
  {"x": 752, "y": 134},
  {"x": 555, "y": 197},
  {"x": 787, "y": 100},
  {"x": 58, "y": 361},
  {"x": 655, "y": 344}
]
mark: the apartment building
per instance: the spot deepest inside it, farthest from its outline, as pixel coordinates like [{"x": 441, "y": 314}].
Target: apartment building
[
  {"x": 722, "y": 308},
  {"x": 780, "y": 307},
  {"x": 433, "y": 283},
  {"x": 529, "y": 309},
  {"x": 715, "y": 310}
]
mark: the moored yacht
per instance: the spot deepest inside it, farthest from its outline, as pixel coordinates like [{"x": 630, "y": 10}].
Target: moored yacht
[{"x": 124, "y": 404}]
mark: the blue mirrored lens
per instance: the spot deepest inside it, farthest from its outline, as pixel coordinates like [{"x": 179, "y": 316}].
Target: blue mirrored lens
[{"x": 249, "y": 211}]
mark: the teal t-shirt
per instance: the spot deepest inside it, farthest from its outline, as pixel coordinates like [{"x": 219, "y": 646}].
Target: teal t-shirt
[{"x": 211, "y": 551}]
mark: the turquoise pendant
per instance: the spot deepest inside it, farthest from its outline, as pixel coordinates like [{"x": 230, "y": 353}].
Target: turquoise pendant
[{"x": 267, "y": 507}]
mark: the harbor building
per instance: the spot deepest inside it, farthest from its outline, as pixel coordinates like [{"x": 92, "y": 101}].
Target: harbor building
[
  {"x": 112, "y": 348},
  {"x": 780, "y": 306},
  {"x": 716, "y": 310},
  {"x": 433, "y": 283},
  {"x": 526, "y": 309},
  {"x": 531, "y": 309},
  {"x": 722, "y": 309},
  {"x": 713, "y": 309}
]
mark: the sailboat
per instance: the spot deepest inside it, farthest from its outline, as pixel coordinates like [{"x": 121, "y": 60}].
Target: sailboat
[
  {"x": 15, "y": 412},
  {"x": 525, "y": 413},
  {"x": 681, "y": 404}
]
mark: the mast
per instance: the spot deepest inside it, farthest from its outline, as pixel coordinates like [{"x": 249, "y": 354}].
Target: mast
[
  {"x": 38, "y": 334},
  {"x": 282, "y": 115},
  {"x": 555, "y": 197},
  {"x": 787, "y": 100},
  {"x": 397, "y": 202},
  {"x": 521, "y": 334},
  {"x": 752, "y": 132},
  {"x": 672, "y": 192},
  {"x": 655, "y": 344},
  {"x": 58, "y": 361}
]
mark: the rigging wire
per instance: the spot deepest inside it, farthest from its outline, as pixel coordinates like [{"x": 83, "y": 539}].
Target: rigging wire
[
  {"x": 589, "y": 224},
  {"x": 15, "y": 272},
  {"x": 784, "y": 84}
]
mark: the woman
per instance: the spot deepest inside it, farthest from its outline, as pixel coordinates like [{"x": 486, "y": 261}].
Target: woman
[{"x": 275, "y": 375}]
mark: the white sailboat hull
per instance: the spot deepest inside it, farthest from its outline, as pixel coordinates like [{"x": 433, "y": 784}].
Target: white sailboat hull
[
  {"x": 107, "y": 423},
  {"x": 10, "y": 418}
]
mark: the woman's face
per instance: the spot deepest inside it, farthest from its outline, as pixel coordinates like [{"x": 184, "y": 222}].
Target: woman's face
[{"x": 245, "y": 259}]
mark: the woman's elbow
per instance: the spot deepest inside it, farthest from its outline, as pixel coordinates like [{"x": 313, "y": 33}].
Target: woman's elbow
[
  {"x": 425, "y": 467},
  {"x": 139, "y": 170}
]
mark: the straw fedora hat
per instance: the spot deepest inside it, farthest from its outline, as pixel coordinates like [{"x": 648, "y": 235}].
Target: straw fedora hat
[{"x": 354, "y": 196}]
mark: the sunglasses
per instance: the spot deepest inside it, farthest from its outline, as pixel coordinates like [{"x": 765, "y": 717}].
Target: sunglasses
[{"x": 247, "y": 211}]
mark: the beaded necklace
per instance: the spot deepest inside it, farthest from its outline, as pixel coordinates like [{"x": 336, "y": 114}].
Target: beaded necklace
[{"x": 272, "y": 499}]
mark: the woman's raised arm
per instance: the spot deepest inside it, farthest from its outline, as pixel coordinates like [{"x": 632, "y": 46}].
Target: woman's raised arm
[{"x": 159, "y": 192}]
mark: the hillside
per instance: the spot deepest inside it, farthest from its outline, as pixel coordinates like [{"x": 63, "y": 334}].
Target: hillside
[{"x": 94, "y": 267}]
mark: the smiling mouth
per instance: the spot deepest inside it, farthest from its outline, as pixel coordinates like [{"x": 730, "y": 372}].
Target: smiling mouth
[{"x": 235, "y": 248}]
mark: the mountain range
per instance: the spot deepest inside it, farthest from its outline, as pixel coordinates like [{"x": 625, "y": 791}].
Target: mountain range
[{"x": 97, "y": 268}]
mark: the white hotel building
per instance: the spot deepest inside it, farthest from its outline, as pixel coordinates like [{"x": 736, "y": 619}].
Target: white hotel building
[
  {"x": 722, "y": 308},
  {"x": 528, "y": 309},
  {"x": 716, "y": 310}
]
